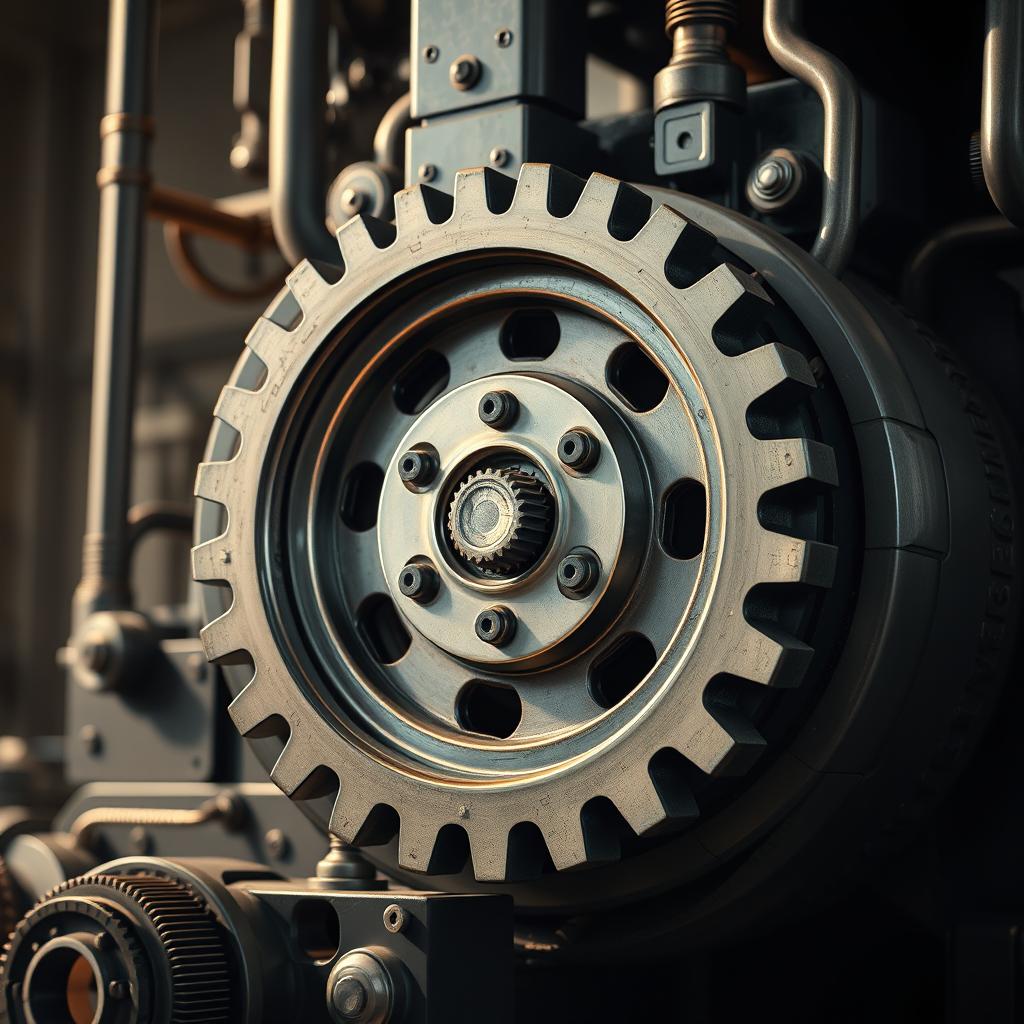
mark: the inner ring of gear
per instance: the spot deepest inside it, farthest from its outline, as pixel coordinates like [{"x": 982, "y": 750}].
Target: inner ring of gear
[
  {"x": 605, "y": 510},
  {"x": 386, "y": 744}
]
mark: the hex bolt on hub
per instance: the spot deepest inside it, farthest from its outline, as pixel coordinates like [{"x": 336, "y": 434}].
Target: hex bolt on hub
[
  {"x": 496, "y": 626},
  {"x": 419, "y": 582},
  {"x": 361, "y": 989},
  {"x": 578, "y": 573},
  {"x": 578, "y": 450},
  {"x": 417, "y": 467},
  {"x": 498, "y": 409}
]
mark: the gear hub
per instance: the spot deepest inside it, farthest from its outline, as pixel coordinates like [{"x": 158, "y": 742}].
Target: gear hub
[{"x": 500, "y": 520}]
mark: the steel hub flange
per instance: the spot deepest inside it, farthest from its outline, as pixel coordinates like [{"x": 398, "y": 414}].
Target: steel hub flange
[{"x": 605, "y": 509}]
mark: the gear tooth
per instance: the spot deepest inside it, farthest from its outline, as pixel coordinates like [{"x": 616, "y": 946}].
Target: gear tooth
[
  {"x": 488, "y": 853},
  {"x": 309, "y": 283},
  {"x": 416, "y": 842},
  {"x": 214, "y": 480},
  {"x": 567, "y": 840},
  {"x": 293, "y": 767},
  {"x": 220, "y": 637},
  {"x": 234, "y": 405},
  {"x": 778, "y": 660},
  {"x": 267, "y": 339},
  {"x": 351, "y": 809},
  {"x": 532, "y": 188},
  {"x": 721, "y": 744},
  {"x": 785, "y": 559},
  {"x": 480, "y": 188},
  {"x": 654, "y": 799},
  {"x": 212, "y": 560},
  {"x": 661, "y": 234},
  {"x": 791, "y": 459},
  {"x": 596, "y": 202},
  {"x": 766, "y": 367},
  {"x": 361, "y": 238},
  {"x": 250, "y": 709},
  {"x": 726, "y": 292}
]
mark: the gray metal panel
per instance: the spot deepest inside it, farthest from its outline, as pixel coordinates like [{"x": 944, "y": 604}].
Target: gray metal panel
[
  {"x": 524, "y": 132},
  {"x": 550, "y": 67},
  {"x": 159, "y": 731}
]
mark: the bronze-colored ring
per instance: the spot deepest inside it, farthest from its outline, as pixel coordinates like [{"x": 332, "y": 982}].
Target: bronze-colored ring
[
  {"x": 141, "y": 124},
  {"x": 114, "y": 174}
]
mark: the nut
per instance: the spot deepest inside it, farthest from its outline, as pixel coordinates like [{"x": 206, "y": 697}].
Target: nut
[
  {"x": 496, "y": 626},
  {"x": 465, "y": 72},
  {"x": 419, "y": 581},
  {"x": 578, "y": 450},
  {"x": 498, "y": 409}
]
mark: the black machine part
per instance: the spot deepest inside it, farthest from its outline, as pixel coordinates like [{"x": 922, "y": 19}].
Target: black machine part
[
  {"x": 159, "y": 941},
  {"x": 898, "y": 705}
]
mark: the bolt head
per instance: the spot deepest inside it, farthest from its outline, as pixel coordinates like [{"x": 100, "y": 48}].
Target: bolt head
[
  {"x": 419, "y": 581},
  {"x": 499, "y": 156},
  {"x": 464, "y": 72},
  {"x": 426, "y": 172},
  {"x": 417, "y": 468},
  {"x": 350, "y": 997},
  {"x": 578, "y": 450},
  {"x": 353, "y": 201},
  {"x": 116, "y": 989},
  {"x": 503, "y": 37},
  {"x": 430, "y": 54},
  {"x": 498, "y": 409},
  {"x": 495, "y": 626},
  {"x": 395, "y": 918},
  {"x": 577, "y": 574}
]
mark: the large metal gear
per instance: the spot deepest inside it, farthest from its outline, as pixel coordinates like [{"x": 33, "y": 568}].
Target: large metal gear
[{"x": 652, "y": 681}]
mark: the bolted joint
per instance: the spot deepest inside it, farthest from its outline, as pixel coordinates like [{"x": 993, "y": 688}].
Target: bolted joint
[
  {"x": 775, "y": 181},
  {"x": 496, "y": 626},
  {"x": 498, "y": 409},
  {"x": 465, "y": 72},
  {"x": 419, "y": 581},
  {"x": 578, "y": 450},
  {"x": 418, "y": 467},
  {"x": 578, "y": 573}
]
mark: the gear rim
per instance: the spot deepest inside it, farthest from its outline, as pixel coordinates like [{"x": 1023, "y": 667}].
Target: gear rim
[{"x": 664, "y": 228}]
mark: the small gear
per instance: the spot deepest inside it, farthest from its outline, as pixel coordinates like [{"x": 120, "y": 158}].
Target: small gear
[
  {"x": 113, "y": 912},
  {"x": 500, "y": 520}
]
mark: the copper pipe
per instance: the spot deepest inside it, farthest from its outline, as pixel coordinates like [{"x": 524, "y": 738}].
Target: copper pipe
[{"x": 200, "y": 216}]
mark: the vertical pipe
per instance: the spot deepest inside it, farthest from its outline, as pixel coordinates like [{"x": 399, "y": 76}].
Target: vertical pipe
[
  {"x": 123, "y": 181},
  {"x": 298, "y": 71},
  {"x": 837, "y": 89},
  {"x": 1002, "y": 107}
]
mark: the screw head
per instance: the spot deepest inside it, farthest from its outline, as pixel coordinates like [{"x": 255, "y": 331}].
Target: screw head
[
  {"x": 498, "y": 409},
  {"x": 419, "y": 581},
  {"x": 503, "y": 37},
  {"x": 426, "y": 172},
  {"x": 277, "y": 843},
  {"x": 353, "y": 201},
  {"x": 499, "y": 156},
  {"x": 395, "y": 918},
  {"x": 350, "y": 997},
  {"x": 116, "y": 989},
  {"x": 417, "y": 467},
  {"x": 578, "y": 450},
  {"x": 464, "y": 72},
  {"x": 430, "y": 54},
  {"x": 773, "y": 181},
  {"x": 496, "y": 626},
  {"x": 578, "y": 573}
]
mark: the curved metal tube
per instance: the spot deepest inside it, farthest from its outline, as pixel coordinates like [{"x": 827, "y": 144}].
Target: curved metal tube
[
  {"x": 919, "y": 277},
  {"x": 296, "y": 174},
  {"x": 390, "y": 135},
  {"x": 1002, "y": 107},
  {"x": 840, "y": 96}
]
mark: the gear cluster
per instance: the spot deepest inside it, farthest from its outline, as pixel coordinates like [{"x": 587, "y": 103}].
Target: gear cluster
[{"x": 500, "y": 520}]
